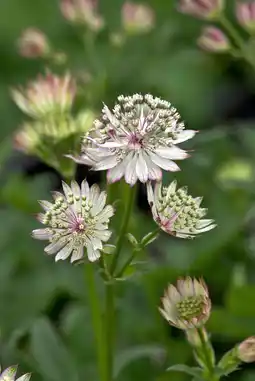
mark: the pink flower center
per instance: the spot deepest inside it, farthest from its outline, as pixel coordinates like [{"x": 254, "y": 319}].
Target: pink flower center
[
  {"x": 135, "y": 141},
  {"x": 79, "y": 225}
]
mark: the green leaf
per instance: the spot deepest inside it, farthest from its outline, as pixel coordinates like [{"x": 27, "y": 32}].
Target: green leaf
[
  {"x": 52, "y": 357},
  {"x": 128, "y": 356},
  {"x": 192, "y": 371}
]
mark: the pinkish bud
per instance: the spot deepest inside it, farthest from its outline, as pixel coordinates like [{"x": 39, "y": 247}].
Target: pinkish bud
[
  {"x": 246, "y": 350},
  {"x": 33, "y": 43},
  {"x": 245, "y": 13},
  {"x": 137, "y": 18},
  {"x": 82, "y": 12},
  {"x": 214, "y": 40},
  {"x": 206, "y": 9}
]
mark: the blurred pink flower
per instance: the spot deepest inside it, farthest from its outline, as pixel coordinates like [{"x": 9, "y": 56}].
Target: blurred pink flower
[
  {"x": 246, "y": 350},
  {"x": 207, "y": 9},
  {"x": 33, "y": 43},
  {"x": 245, "y": 13},
  {"x": 137, "y": 18},
  {"x": 82, "y": 12},
  {"x": 213, "y": 39}
]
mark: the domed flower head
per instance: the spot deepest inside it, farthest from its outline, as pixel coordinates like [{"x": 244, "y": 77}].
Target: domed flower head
[
  {"x": 76, "y": 220},
  {"x": 46, "y": 95},
  {"x": 136, "y": 139},
  {"x": 186, "y": 305},
  {"x": 82, "y": 12},
  {"x": 33, "y": 43},
  {"x": 176, "y": 212},
  {"x": 137, "y": 18},
  {"x": 206, "y": 9},
  {"x": 9, "y": 374}
]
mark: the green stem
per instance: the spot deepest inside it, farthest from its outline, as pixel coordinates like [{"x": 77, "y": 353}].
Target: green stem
[
  {"x": 127, "y": 213},
  {"x": 146, "y": 240},
  {"x": 96, "y": 314},
  {"x": 211, "y": 376},
  {"x": 109, "y": 328},
  {"x": 228, "y": 26}
]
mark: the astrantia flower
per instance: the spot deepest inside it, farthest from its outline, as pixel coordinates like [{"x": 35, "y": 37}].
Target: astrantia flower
[
  {"x": 137, "y": 18},
  {"x": 136, "y": 139},
  {"x": 187, "y": 305},
  {"x": 207, "y": 9},
  {"x": 76, "y": 220},
  {"x": 82, "y": 12},
  {"x": 10, "y": 373},
  {"x": 33, "y": 43},
  {"x": 176, "y": 212},
  {"x": 245, "y": 12},
  {"x": 46, "y": 95},
  {"x": 246, "y": 350},
  {"x": 214, "y": 40}
]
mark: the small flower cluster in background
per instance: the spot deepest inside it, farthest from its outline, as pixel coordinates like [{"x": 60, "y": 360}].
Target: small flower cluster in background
[
  {"x": 224, "y": 37},
  {"x": 9, "y": 374}
]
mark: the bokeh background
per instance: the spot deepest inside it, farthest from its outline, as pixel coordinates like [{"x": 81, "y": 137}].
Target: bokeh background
[{"x": 45, "y": 324}]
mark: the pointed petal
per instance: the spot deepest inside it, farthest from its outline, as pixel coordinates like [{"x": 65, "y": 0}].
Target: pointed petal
[
  {"x": 64, "y": 252},
  {"x": 173, "y": 153},
  {"x": 42, "y": 234},
  {"x": 185, "y": 135},
  {"x": 166, "y": 164}
]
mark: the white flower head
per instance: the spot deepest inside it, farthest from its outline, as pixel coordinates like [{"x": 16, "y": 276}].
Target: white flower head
[
  {"x": 76, "y": 220},
  {"x": 136, "y": 139},
  {"x": 9, "y": 374},
  {"x": 176, "y": 212},
  {"x": 186, "y": 305}
]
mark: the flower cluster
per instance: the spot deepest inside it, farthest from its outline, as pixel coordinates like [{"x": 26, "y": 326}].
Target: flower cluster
[
  {"x": 176, "y": 212},
  {"x": 9, "y": 374},
  {"x": 33, "y": 43},
  {"x": 76, "y": 220},
  {"x": 136, "y": 139},
  {"x": 137, "y": 18},
  {"x": 186, "y": 305}
]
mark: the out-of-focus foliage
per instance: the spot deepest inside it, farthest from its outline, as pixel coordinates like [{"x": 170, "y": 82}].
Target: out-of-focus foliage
[{"x": 45, "y": 324}]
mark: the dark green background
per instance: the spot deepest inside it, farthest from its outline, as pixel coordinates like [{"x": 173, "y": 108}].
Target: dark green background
[{"x": 45, "y": 324}]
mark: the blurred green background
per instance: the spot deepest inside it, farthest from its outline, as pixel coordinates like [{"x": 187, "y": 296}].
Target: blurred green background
[{"x": 45, "y": 324}]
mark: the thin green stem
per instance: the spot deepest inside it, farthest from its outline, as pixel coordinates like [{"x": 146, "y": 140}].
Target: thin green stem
[
  {"x": 109, "y": 328},
  {"x": 96, "y": 314},
  {"x": 228, "y": 26},
  {"x": 211, "y": 376},
  {"x": 127, "y": 213},
  {"x": 137, "y": 249}
]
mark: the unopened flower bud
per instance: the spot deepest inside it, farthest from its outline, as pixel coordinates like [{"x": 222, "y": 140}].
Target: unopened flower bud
[
  {"x": 82, "y": 12},
  {"x": 206, "y": 9},
  {"x": 246, "y": 350},
  {"x": 214, "y": 40},
  {"x": 33, "y": 43},
  {"x": 245, "y": 13},
  {"x": 137, "y": 18}
]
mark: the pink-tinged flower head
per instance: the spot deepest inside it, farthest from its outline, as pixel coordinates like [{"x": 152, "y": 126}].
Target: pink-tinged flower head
[
  {"x": 136, "y": 139},
  {"x": 186, "y": 305},
  {"x": 246, "y": 350},
  {"x": 9, "y": 374},
  {"x": 33, "y": 43},
  {"x": 206, "y": 9},
  {"x": 176, "y": 212},
  {"x": 137, "y": 18},
  {"x": 46, "y": 95},
  {"x": 245, "y": 13},
  {"x": 82, "y": 12},
  {"x": 214, "y": 40},
  {"x": 76, "y": 220}
]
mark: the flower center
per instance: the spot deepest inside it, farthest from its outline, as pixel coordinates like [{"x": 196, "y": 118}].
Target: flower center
[
  {"x": 190, "y": 307},
  {"x": 135, "y": 141},
  {"x": 79, "y": 225}
]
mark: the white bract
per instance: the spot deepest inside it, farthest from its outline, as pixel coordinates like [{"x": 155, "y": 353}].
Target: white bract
[
  {"x": 136, "y": 140},
  {"x": 9, "y": 374},
  {"x": 176, "y": 212},
  {"x": 76, "y": 220}
]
